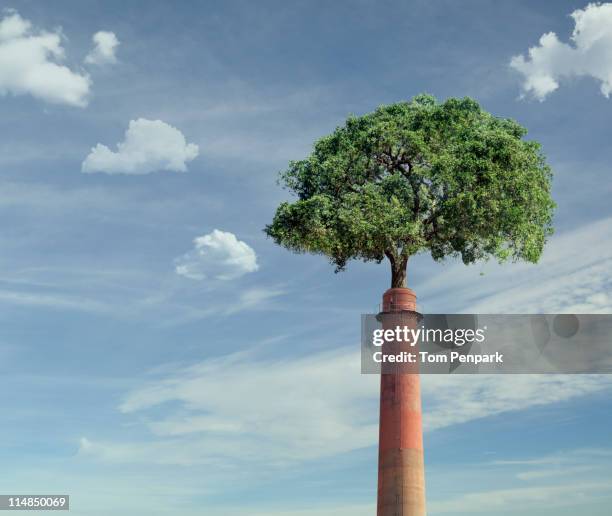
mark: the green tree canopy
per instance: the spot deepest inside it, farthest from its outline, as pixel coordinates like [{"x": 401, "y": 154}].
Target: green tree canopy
[{"x": 448, "y": 178}]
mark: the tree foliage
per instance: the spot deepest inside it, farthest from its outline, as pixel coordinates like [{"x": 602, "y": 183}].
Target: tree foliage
[{"x": 448, "y": 178}]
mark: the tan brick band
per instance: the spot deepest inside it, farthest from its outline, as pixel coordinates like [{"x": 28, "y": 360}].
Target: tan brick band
[{"x": 401, "y": 490}]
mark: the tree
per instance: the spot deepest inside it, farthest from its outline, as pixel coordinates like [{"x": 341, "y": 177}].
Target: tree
[{"x": 448, "y": 178}]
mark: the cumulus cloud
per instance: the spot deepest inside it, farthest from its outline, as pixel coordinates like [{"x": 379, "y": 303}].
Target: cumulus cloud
[
  {"x": 148, "y": 146},
  {"x": 219, "y": 255},
  {"x": 589, "y": 54},
  {"x": 105, "y": 46},
  {"x": 29, "y": 64}
]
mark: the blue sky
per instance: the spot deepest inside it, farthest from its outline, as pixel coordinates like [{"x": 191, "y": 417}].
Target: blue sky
[{"x": 152, "y": 366}]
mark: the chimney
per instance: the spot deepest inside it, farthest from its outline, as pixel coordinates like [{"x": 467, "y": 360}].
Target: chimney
[{"x": 401, "y": 470}]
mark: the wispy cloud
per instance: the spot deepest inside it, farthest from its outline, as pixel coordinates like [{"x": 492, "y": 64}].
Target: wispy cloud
[
  {"x": 55, "y": 301},
  {"x": 318, "y": 415},
  {"x": 307, "y": 407},
  {"x": 582, "y": 257},
  {"x": 563, "y": 479},
  {"x": 312, "y": 510},
  {"x": 522, "y": 498},
  {"x": 456, "y": 399}
]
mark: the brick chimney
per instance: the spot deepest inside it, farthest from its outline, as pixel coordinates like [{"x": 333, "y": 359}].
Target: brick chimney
[{"x": 401, "y": 470}]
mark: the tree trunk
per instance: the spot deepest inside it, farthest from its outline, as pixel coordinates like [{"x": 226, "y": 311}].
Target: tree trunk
[{"x": 398, "y": 272}]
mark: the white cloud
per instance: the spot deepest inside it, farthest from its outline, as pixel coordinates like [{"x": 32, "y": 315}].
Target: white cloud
[
  {"x": 219, "y": 255},
  {"x": 567, "y": 481},
  {"x": 29, "y": 64},
  {"x": 53, "y": 301},
  {"x": 332, "y": 409},
  {"x": 522, "y": 498},
  {"x": 279, "y": 420},
  {"x": 456, "y": 399},
  {"x": 105, "y": 46},
  {"x": 149, "y": 146},
  {"x": 253, "y": 298},
  {"x": 581, "y": 257},
  {"x": 589, "y": 54},
  {"x": 344, "y": 510}
]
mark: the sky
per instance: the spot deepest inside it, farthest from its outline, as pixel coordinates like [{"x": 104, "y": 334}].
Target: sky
[{"x": 160, "y": 356}]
